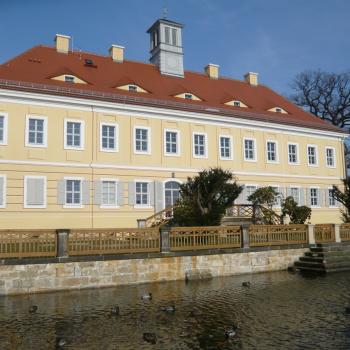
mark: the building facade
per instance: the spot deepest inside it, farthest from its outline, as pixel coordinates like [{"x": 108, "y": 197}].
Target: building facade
[{"x": 98, "y": 141}]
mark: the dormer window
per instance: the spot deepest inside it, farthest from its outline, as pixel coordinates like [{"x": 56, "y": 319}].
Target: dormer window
[
  {"x": 133, "y": 88},
  {"x": 69, "y": 79},
  {"x": 236, "y": 103},
  {"x": 277, "y": 110},
  {"x": 188, "y": 96}
]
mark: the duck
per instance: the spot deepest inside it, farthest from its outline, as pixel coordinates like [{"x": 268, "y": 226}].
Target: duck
[
  {"x": 150, "y": 337},
  {"x": 168, "y": 308},
  {"x": 60, "y": 343},
  {"x": 246, "y": 284},
  {"x": 147, "y": 296},
  {"x": 231, "y": 332},
  {"x": 115, "y": 310},
  {"x": 33, "y": 309}
]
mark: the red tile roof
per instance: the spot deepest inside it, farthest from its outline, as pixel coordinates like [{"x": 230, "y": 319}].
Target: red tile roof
[{"x": 35, "y": 68}]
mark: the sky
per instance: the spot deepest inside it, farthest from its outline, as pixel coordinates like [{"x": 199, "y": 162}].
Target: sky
[{"x": 275, "y": 38}]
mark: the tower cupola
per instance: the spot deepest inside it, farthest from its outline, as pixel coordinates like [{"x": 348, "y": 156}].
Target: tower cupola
[{"x": 166, "y": 47}]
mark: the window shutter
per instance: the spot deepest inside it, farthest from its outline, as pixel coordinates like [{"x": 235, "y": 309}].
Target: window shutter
[
  {"x": 320, "y": 198},
  {"x": 302, "y": 196},
  {"x": 150, "y": 187},
  {"x": 35, "y": 191},
  {"x": 2, "y": 192},
  {"x": 158, "y": 196},
  {"x": 61, "y": 191},
  {"x": 86, "y": 191},
  {"x": 97, "y": 192},
  {"x": 289, "y": 192},
  {"x": 120, "y": 193},
  {"x": 131, "y": 190},
  {"x": 326, "y": 196},
  {"x": 308, "y": 196}
]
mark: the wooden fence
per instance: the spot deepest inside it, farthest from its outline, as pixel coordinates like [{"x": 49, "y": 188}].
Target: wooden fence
[
  {"x": 267, "y": 235},
  {"x": 209, "y": 237},
  {"x": 324, "y": 233},
  {"x": 27, "y": 243},
  {"x": 345, "y": 232},
  {"x": 113, "y": 241}
]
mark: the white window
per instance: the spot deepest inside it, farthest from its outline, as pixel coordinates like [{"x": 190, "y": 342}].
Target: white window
[
  {"x": 295, "y": 193},
  {"x": 312, "y": 155},
  {"x": 271, "y": 150},
  {"x": 293, "y": 157},
  {"x": 109, "y": 193},
  {"x": 314, "y": 197},
  {"x": 35, "y": 192},
  {"x": 3, "y": 128},
  {"x": 142, "y": 140},
  {"x": 167, "y": 35},
  {"x": 2, "y": 191},
  {"x": 73, "y": 192},
  {"x": 279, "y": 195},
  {"x": 171, "y": 142},
  {"x": 108, "y": 137},
  {"x": 249, "y": 150},
  {"x": 73, "y": 134},
  {"x": 237, "y": 103},
  {"x": 36, "y": 131},
  {"x": 188, "y": 96},
  {"x": 278, "y": 110},
  {"x": 199, "y": 145},
  {"x": 249, "y": 189},
  {"x": 331, "y": 199},
  {"x": 132, "y": 88},
  {"x": 142, "y": 194},
  {"x": 69, "y": 79},
  {"x": 330, "y": 157},
  {"x": 225, "y": 146},
  {"x": 174, "y": 36}
]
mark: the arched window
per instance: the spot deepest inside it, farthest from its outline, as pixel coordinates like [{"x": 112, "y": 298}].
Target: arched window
[{"x": 171, "y": 193}]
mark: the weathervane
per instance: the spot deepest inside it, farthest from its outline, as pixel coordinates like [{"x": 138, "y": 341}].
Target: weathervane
[{"x": 165, "y": 12}]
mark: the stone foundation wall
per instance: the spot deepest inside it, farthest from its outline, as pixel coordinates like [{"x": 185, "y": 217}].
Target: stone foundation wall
[{"x": 35, "y": 278}]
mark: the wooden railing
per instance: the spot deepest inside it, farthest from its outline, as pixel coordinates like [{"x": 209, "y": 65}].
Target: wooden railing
[
  {"x": 345, "y": 232},
  {"x": 268, "y": 235},
  {"x": 240, "y": 211},
  {"x": 27, "y": 243},
  {"x": 113, "y": 241},
  {"x": 160, "y": 218},
  {"x": 324, "y": 233},
  {"x": 196, "y": 238}
]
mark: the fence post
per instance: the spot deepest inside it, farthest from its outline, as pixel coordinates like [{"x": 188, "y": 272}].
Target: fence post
[
  {"x": 165, "y": 239},
  {"x": 245, "y": 235},
  {"x": 62, "y": 243},
  {"x": 311, "y": 233},
  {"x": 336, "y": 228}
]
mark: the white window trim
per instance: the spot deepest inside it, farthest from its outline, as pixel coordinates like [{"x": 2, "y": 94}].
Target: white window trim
[
  {"x": 73, "y": 206},
  {"x": 205, "y": 156},
  {"x": 82, "y": 135},
  {"x": 255, "y": 155},
  {"x": 299, "y": 192},
  {"x": 110, "y": 206},
  {"x": 251, "y": 185},
  {"x": 143, "y": 206},
  {"x": 4, "y": 141},
  {"x": 277, "y": 187},
  {"x": 40, "y": 117},
  {"x": 3, "y": 205},
  {"x": 277, "y": 153},
  {"x": 334, "y": 157},
  {"x": 116, "y": 138},
  {"x": 318, "y": 189},
  {"x": 316, "y": 155},
  {"x": 178, "y": 153},
  {"x": 231, "y": 147},
  {"x": 169, "y": 180},
  {"x": 149, "y": 138},
  {"x": 331, "y": 206},
  {"x": 27, "y": 206},
  {"x": 297, "y": 148}
]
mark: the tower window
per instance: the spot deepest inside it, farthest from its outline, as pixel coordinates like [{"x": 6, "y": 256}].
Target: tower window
[
  {"x": 174, "y": 36},
  {"x": 167, "y": 35}
]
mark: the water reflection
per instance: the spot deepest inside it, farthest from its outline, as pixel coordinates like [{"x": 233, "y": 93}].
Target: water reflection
[{"x": 279, "y": 311}]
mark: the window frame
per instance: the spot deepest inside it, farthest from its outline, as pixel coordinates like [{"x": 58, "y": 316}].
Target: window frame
[
  {"x": 69, "y": 205},
  {"x": 71, "y": 79},
  {"x": 231, "y": 147},
  {"x": 4, "y": 191},
  {"x": 116, "y": 137},
  {"x": 4, "y": 141},
  {"x": 276, "y": 152},
  {"x": 143, "y": 206},
  {"x": 334, "y": 157},
  {"x": 316, "y": 155},
  {"x": 82, "y": 134},
  {"x": 149, "y": 138},
  {"x": 28, "y": 206},
  {"x": 109, "y": 206},
  {"x": 318, "y": 196},
  {"x": 198, "y": 133},
  {"x": 328, "y": 196},
  {"x": 178, "y": 138},
  {"x": 299, "y": 192},
  {"x": 277, "y": 188},
  {"x": 254, "y": 149},
  {"x": 245, "y": 199},
  {"x": 38, "y": 117},
  {"x": 297, "y": 153}
]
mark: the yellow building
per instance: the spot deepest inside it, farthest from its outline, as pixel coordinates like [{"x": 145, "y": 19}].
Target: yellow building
[{"x": 99, "y": 141}]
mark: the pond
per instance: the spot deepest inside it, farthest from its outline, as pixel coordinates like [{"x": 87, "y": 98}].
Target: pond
[{"x": 279, "y": 310}]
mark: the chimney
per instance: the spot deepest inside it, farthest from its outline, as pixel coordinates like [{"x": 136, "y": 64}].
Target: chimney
[
  {"x": 212, "y": 71},
  {"x": 251, "y": 78},
  {"x": 62, "y": 43},
  {"x": 117, "y": 53}
]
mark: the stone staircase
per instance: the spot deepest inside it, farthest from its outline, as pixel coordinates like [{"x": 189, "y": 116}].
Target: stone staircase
[{"x": 326, "y": 257}]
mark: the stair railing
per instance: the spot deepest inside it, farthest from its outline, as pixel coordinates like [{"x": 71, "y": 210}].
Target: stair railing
[{"x": 160, "y": 218}]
